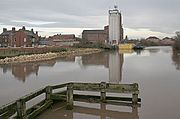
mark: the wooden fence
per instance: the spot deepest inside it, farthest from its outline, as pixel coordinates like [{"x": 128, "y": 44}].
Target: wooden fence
[{"x": 18, "y": 109}]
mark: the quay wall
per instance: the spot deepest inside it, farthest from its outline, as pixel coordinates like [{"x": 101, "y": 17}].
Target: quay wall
[{"x": 48, "y": 56}]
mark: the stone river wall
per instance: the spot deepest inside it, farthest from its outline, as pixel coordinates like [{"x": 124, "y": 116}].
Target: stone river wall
[{"x": 48, "y": 56}]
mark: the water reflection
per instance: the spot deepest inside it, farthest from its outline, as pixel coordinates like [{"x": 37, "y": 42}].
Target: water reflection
[
  {"x": 176, "y": 59},
  {"x": 82, "y": 112},
  {"x": 153, "y": 49},
  {"x": 159, "y": 70},
  {"x": 23, "y": 70},
  {"x": 115, "y": 67},
  {"x": 138, "y": 52},
  {"x": 113, "y": 61},
  {"x": 96, "y": 59}
]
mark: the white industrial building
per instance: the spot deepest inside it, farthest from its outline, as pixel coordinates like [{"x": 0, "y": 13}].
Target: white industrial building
[{"x": 115, "y": 27}]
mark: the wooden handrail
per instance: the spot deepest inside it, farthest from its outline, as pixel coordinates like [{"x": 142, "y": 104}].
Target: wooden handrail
[{"x": 19, "y": 106}]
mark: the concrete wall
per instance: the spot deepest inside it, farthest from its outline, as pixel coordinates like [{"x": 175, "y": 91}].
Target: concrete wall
[{"x": 114, "y": 27}]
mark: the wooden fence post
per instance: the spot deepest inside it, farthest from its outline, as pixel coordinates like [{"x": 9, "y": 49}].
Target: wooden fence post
[
  {"x": 48, "y": 92},
  {"x": 103, "y": 109},
  {"x": 69, "y": 96},
  {"x": 135, "y": 94},
  {"x": 134, "y": 98},
  {"x": 21, "y": 109},
  {"x": 103, "y": 91}
]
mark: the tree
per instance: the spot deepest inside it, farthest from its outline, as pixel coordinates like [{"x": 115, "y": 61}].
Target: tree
[{"x": 177, "y": 41}]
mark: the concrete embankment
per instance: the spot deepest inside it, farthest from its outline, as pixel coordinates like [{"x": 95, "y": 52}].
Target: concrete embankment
[{"x": 48, "y": 56}]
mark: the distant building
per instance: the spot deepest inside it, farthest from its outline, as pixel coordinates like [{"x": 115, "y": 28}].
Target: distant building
[
  {"x": 167, "y": 41},
  {"x": 111, "y": 34},
  {"x": 6, "y": 37},
  {"x": 64, "y": 37},
  {"x": 178, "y": 33},
  {"x": 94, "y": 36},
  {"x": 20, "y": 38},
  {"x": 43, "y": 41},
  {"x": 115, "y": 26},
  {"x": 153, "y": 39},
  {"x": 63, "y": 40}
]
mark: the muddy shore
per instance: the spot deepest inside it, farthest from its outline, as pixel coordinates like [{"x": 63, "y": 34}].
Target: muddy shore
[{"x": 48, "y": 56}]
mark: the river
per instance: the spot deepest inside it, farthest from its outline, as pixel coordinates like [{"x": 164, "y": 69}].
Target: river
[{"x": 155, "y": 69}]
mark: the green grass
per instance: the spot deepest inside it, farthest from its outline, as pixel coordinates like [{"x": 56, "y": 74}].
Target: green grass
[{"x": 13, "y": 53}]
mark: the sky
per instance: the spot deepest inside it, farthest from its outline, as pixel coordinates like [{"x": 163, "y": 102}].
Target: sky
[{"x": 141, "y": 18}]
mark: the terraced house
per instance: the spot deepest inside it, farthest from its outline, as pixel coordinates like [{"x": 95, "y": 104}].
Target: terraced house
[{"x": 19, "y": 38}]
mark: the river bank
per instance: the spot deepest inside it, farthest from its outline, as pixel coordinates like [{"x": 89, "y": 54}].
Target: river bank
[{"x": 49, "y": 56}]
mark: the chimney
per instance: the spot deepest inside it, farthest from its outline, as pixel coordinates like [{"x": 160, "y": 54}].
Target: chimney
[
  {"x": 36, "y": 32},
  {"x": 4, "y": 29},
  {"x": 23, "y": 28},
  {"x": 13, "y": 29}
]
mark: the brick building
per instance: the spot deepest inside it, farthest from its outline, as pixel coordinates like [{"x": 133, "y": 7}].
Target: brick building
[
  {"x": 167, "y": 41},
  {"x": 153, "y": 39},
  {"x": 6, "y": 37},
  {"x": 20, "y": 38},
  {"x": 95, "y": 36},
  {"x": 63, "y": 39}
]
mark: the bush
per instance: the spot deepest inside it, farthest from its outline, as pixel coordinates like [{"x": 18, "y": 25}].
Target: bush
[
  {"x": 59, "y": 50},
  {"x": 177, "y": 43}
]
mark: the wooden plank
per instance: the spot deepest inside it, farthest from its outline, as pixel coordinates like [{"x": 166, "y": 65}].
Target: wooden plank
[
  {"x": 69, "y": 95},
  {"x": 121, "y": 98},
  {"x": 21, "y": 109},
  {"x": 91, "y": 98},
  {"x": 58, "y": 97},
  {"x": 7, "y": 107},
  {"x": 59, "y": 86},
  {"x": 8, "y": 114},
  {"x": 86, "y": 86},
  {"x": 126, "y": 104},
  {"x": 114, "y": 88},
  {"x": 34, "y": 94},
  {"x": 122, "y": 88},
  {"x": 61, "y": 92},
  {"x": 40, "y": 109},
  {"x": 30, "y": 110},
  {"x": 48, "y": 92}
]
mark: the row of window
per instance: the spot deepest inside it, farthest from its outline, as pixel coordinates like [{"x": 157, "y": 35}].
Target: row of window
[{"x": 6, "y": 40}]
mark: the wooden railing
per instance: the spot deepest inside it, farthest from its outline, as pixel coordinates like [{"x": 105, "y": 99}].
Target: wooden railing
[{"x": 18, "y": 109}]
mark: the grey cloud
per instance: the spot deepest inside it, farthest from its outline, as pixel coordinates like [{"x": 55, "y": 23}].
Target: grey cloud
[{"x": 156, "y": 15}]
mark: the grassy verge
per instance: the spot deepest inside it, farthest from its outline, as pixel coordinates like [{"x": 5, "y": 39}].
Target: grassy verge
[{"x": 13, "y": 52}]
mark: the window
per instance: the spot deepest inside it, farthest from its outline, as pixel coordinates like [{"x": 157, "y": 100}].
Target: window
[{"x": 24, "y": 39}]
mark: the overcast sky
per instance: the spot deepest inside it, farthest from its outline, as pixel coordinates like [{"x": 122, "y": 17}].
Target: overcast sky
[{"x": 141, "y": 18}]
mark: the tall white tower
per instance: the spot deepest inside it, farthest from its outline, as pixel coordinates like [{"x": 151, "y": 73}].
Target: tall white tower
[{"x": 115, "y": 26}]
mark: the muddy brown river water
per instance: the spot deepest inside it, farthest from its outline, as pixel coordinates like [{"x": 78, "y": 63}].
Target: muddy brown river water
[{"x": 155, "y": 69}]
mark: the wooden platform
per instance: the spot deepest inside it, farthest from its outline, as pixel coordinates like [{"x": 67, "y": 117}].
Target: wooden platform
[{"x": 66, "y": 97}]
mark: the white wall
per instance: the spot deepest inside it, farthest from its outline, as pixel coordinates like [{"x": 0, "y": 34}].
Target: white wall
[{"x": 114, "y": 26}]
